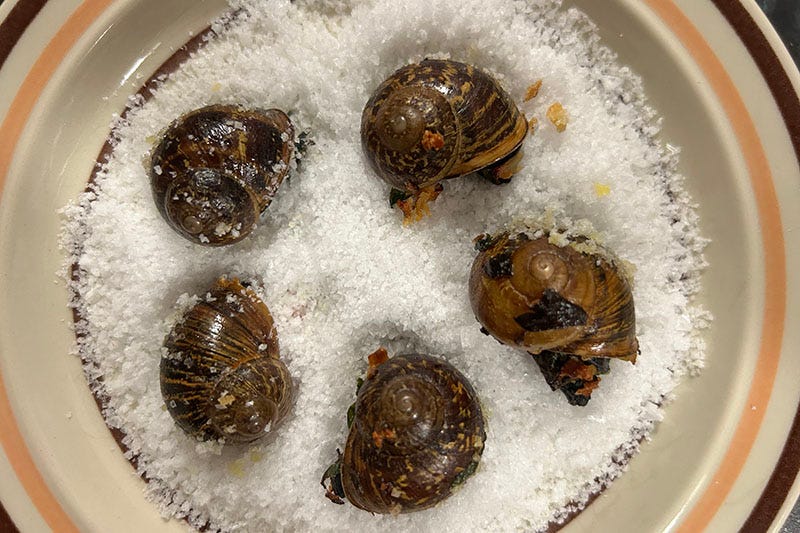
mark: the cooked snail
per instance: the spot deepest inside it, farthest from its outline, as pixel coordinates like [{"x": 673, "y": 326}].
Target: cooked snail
[
  {"x": 441, "y": 119},
  {"x": 417, "y": 432},
  {"x": 220, "y": 374},
  {"x": 217, "y": 168},
  {"x": 570, "y": 306}
]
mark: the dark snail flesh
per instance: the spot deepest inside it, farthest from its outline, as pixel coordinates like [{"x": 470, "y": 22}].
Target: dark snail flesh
[
  {"x": 440, "y": 119},
  {"x": 569, "y": 306},
  {"x": 417, "y": 432},
  {"x": 220, "y": 374},
  {"x": 216, "y": 169}
]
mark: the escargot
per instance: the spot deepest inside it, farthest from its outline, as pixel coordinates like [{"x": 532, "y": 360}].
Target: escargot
[
  {"x": 570, "y": 306},
  {"x": 416, "y": 434},
  {"x": 221, "y": 377},
  {"x": 216, "y": 169},
  {"x": 441, "y": 119}
]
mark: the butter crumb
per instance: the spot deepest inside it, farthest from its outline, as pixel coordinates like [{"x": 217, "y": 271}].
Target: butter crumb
[
  {"x": 256, "y": 456},
  {"x": 533, "y": 90},
  {"x": 432, "y": 140},
  {"x": 558, "y": 116},
  {"x": 601, "y": 189},
  {"x": 237, "y": 468},
  {"x": 533, "y": 123},
  {"x": 225, "y": 400}
]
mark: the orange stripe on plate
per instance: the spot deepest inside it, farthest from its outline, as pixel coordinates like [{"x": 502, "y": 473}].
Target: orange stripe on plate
[
  {"x": 10, "y": 130},
  {"x": 774, "y": 265}
]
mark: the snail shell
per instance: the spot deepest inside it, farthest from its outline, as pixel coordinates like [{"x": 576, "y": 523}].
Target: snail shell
[
  {"x": 217, "y": 168},
  {"x": 418, "y": 432},
  {"x": 569, "y": 306},
  {"x": 537, "y": 296},
  {"x": 439, "y": 119},
  {"x": 220, "y": 374}
]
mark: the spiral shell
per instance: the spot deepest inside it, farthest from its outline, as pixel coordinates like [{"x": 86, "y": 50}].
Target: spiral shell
[
  {"x": 216, "y": 169},
  {"x": 555, "y": 301},
  {"x": 439, "y": 119},
  {"x": 220, "y": 374},
  {"x": 417, "y": 433}
]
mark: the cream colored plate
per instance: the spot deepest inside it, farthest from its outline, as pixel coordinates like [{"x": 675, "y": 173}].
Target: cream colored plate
[{"x": 710, "y": 460}]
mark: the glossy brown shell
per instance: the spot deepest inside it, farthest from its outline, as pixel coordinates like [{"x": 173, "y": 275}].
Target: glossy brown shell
[
  {"x": 216, "y": 169},
  {"x": 475, "y": 119},
  {"x": 220, "y": 375},
  {"x": 418, "y": 432},
  {"x": 535, "y": 295}
]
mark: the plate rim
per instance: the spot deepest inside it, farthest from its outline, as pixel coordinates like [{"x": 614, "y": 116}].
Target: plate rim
[
  {"x": 753, "y": 31},
  {"x": 782, "y": 75}
]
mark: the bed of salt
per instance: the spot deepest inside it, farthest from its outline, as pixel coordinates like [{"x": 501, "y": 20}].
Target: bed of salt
[{"x": 343, "y": 276}]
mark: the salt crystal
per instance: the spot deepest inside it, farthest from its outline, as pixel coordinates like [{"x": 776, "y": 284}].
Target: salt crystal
[{"x": 221, "y": 229}]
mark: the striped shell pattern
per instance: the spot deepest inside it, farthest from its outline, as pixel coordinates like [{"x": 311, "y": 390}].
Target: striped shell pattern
[{"x": 220, "y": 373}]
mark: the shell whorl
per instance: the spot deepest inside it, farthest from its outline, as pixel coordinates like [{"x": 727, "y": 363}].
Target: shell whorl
[
  {"x": 394, "y": 124},
  {"x": 417, "y": 433},
  {"x": 474, "y": 120},
  {"x": 211, "y": 203},
  {"x": 216, "y": 169},
  {"x": 220, "y": 375},
  {"x": 250, "y": 399},
  {"x": 409, "y": 405}
]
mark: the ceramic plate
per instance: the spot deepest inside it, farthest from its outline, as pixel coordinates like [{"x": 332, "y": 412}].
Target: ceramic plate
[{"x": 728, "y": 452}]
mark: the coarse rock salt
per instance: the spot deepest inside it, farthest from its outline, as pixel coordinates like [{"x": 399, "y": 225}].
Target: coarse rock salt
[{"x": 342, "y": 275}]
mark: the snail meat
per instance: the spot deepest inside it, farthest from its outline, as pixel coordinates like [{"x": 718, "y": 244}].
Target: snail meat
[
  {"x": 572, "y": 375},
  {"x": 570, "y": 306},
  {"x": 216, "y": 169},
  {"x": 221, "y": 377},
  {"x": 417, "y": 433},
  {"x": 441, "y": 119}
]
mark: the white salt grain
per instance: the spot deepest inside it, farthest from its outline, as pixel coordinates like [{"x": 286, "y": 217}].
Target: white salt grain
[{"x": 342, "y": 275}]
